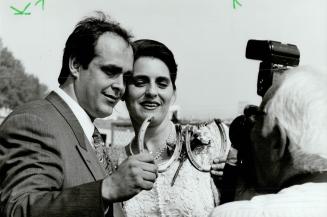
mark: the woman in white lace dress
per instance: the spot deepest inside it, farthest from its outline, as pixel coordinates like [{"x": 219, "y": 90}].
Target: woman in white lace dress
[{"x": 181, "y": 188}]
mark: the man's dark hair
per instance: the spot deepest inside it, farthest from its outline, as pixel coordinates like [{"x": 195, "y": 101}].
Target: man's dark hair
[
  {"x": 82, "y": 41},
  {"x": 151, "y": 48}
]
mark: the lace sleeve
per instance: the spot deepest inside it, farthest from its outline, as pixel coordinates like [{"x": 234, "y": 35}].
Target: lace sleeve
[{"x": 214, "y": 144}]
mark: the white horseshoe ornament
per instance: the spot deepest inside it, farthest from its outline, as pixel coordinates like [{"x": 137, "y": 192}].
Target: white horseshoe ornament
[{"x": 140, "y": 141}]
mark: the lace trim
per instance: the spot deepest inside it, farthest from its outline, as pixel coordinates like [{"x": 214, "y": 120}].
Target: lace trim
[
  {"x": 193, "y": 194},
  {"x": 188, "y": 197}
]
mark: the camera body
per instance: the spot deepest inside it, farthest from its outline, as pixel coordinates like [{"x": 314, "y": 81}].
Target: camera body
[{"x": 275, "y": 58}]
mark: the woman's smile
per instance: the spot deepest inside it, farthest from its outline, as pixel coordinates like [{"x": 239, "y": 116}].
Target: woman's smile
[{"x": 150, "y": 105}]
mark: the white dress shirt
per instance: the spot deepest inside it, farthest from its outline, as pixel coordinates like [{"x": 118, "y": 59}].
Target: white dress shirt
[{"x": 306, "y": 200}]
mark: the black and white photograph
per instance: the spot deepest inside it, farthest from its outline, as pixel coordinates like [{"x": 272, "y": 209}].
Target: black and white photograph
[{"x": 163, "y": 108}]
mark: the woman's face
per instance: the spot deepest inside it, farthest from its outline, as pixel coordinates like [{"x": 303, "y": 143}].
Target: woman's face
[{"x": 150, "y": 91}]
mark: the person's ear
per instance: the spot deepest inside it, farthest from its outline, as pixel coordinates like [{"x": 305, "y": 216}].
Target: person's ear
[
  {"x": 280, "y": 146},
  {"x": 74, "y": 67}
]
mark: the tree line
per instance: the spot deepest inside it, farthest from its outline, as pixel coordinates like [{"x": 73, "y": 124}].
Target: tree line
[{"x": 16, "y": 86}]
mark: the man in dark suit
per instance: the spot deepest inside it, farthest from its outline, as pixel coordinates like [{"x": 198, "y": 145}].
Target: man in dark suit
[{"x": 50, "y": 162}]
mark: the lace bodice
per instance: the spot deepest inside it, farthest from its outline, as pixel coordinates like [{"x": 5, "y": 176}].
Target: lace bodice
[{"x": 193, "y": 193}]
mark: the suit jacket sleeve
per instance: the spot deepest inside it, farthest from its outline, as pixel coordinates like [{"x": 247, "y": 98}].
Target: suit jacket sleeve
[{"x": 31, "y": 171}]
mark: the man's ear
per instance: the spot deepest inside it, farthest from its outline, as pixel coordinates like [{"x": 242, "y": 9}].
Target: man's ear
[
  {"x": 74, "y": 67},
  {"x": 280, "y": 147}
]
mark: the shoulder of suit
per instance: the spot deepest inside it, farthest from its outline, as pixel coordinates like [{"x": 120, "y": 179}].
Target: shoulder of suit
[
  {"x": 38, "y": 108},
  {"x": 35, "y": 106}
]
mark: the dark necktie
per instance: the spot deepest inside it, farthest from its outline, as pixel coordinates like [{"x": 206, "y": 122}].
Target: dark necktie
[{"x": 101, "y": 151}]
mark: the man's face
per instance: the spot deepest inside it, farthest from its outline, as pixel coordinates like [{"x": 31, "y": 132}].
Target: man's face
[{"x": 99, "y": 87}]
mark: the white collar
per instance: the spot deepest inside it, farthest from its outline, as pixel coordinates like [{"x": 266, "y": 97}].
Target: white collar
[{"x": 82, "y": 117}]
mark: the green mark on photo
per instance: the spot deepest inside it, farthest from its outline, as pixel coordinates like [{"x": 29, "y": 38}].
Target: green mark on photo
[
  {"x": 21, "y": 12},
  {"x": 235, "y": 2},
  {"x": 42, "y": 3}
]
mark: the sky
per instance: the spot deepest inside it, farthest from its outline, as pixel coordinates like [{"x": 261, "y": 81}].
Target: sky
[{"x": 207, "y": 37}]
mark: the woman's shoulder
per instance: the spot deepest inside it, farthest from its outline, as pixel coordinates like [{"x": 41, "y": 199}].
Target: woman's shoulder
[
  {"x": 205, "y": 141},
  {"x": 211, "y": 127},
  {"x": 210, "y": 134}
]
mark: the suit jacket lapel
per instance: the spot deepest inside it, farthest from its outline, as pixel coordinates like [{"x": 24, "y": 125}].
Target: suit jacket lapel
[{"x": 89, "y": 157}]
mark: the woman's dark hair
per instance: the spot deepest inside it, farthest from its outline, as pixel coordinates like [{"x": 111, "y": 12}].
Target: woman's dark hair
[
  {"x": 82, "y": 41},
  {"x": 151, "y": 48}
]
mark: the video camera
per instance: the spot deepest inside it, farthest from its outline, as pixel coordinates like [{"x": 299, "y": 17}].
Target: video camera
[{"x": 275, "y": 58}]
